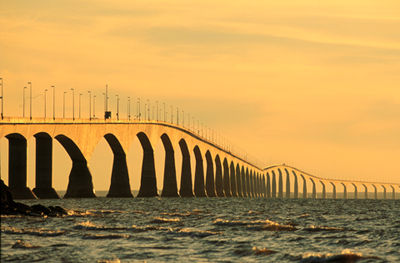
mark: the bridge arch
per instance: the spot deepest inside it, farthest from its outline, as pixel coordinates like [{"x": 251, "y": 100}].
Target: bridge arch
[
  {"x": 210, "y": 186},
  {"x": 186, "y": 189},
  {"x": 219, "y": 187},
  {"x": 120, "y": 185},
  {"x": 80, "y": 182},
  {"x": 199, "y": 189},
  {"x": 233, "y": 179},
  {"x": 226, "y": 179},
  {"x": 170, "y": 188},
  {"x": 148, "y": 181}
]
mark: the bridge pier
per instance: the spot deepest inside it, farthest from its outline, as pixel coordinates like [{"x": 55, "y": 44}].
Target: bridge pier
[
  {"x": 148, "y": 183},
  {"x": 296, "y": 186},
  {"x": 170, "y": 187},
  {"x": 17, "y": 167},
  {"x": 247, "y": 179},
  {"x": 393, "y": 192},
  {"x": 218, "y": 177},
  {"x": 210, "y": 187},
  {"x": 365, "y": 191},
  {"x": 251, "y": 184},
  {"x": 375, "y": 192},
  {"x": 280, "y": 185},
  {"x": 273, "y": 185},
  {"x": 384, "y": 192},
  {"x": 344, "y": 191},
  {"x": 323, "y": 190},
  {"x": 287, "y": 184},
  {"x": 314, "y": 189},
  {"x": 304, "y": 187},
  {"x": 44, "y": 167},
  {"x": 199, "y": 190},
  {"x": 269, "y": 195},
  {"x": 80, "y": 181},
  {"x": 233, "y": 180},
  {"x": 238, "y": 181},
  {"x": 186, "y": 189},
  {"x": 355, "y": 192},
  {"x": 227, "y": 188},
  {"x": 243, "y": 178}
]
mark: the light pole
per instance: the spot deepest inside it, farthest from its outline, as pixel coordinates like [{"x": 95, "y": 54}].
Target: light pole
[
  {"x": 90, "y": 105},
  {"x": 177, "y": 116},
  {"x": 45, "y": 99},
  {"x": 117, "y": 97},
  {"x": 2, "y": 99},
  {"x": 30, "y": 100},
  {"x": 54, "y": 102},
  {"x": 23, "y": 102},
  {"x": 80, "y": 95},
  {"x": 139, "y": 109},
  {"x": 148, "y": 110},
  {"x": 94, "y": 106},
  {"x": 129, "y": 108},
  {"x": 73, "y": 103},
  {"x": 64, "y": 104}
]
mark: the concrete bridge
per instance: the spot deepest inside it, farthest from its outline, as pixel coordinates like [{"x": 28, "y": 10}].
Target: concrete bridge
[
  {"x": 284, "y": 181},
  {"x": 218, "y": 171}
]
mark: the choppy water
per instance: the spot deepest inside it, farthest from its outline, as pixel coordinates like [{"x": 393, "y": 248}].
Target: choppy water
[{"x": 206, "y": 230}]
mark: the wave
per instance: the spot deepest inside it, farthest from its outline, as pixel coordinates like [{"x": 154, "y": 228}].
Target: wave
[
  {"x": 32, "y": 231},
  {"x": 313, "y": 228},
  {"x": 91, "y": 226},
  {"x": 161, "y": 220},
  {"x": 196, "y": 232},
  {"x": 109, "y": 236},
  {"x": 256, "y": 224},
  {"x": 263, "y": 251},
  {"x": 346, "y": 256},
  {"x": 24, "y": 245}
]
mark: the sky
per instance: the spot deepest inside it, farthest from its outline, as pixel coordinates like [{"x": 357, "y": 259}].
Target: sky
[{"x": 313, "y": 84}]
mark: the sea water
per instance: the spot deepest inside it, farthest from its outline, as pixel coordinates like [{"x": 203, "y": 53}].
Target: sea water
[{"x": 206, "y": 230}]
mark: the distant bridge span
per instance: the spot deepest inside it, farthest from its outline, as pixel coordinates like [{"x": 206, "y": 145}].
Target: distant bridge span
[
  {"x": 218, "y": 171},
  {"x": 284, "y": 181}
]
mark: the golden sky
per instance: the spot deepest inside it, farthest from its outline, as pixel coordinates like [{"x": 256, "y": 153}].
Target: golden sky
[{"x": 314, "y": 84}]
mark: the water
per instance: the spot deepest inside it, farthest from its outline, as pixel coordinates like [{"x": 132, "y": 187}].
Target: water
[{"x": 206, "y": 230}]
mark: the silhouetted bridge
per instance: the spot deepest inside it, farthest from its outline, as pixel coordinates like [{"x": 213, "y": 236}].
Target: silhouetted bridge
[{"x": 222, "y": 174}]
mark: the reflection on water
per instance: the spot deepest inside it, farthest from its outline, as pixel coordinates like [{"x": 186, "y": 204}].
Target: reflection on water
[{"x": 206, "y": 229}]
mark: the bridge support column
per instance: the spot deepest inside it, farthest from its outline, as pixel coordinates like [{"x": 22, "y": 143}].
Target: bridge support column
[
  {"x": 384, "y": 192},
  {"x": 199, "y": 190},
  {"x": 273, "y": 190},
  {"x": 148, "y": 181},
  {"x": 186, "y": 174},
  {"x": 280, "y": 191},
  {"x": 247, "y": 178},
  {"x": 243, "y": 178},
  {"x": 304, "y": 187},
  {"x": 218, "y": 178},
  {"x": 80, "y": 181},
  {"x": 296, "y": 185},
  {"x": 238, "y": 182},
  {"x": 233, "y": 180},
  {"x": 227, "y": 184},
  {"x": 269, "y": 195},
  {"x": 333, "y": 190},
  {"x": 120, "y": 186},
  {"x": 170, "y": 187},
  {"x": 376, "y": 192},
  {"x": 287, "y": 195},
  {"x": 251, "y": 184},
  {"x": 210, "y": 187},
  {"x": 44, "y": 168},
  {"x": 314, "y": 189},
  {"x": 17, "y": 169},
  {"x": 323, "y": 190},
  {"x": 393, "y": 192}
]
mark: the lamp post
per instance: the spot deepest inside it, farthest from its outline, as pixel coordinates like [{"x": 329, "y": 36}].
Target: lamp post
[
  {"x": 94, "y": 106},
  {"x": 80, "y": 95},
  {"x": 30, "y": 100},
  {"x": 64, "y": 104},
  {"x": 2, "y": 99},
  {"x": 139, "y": 109},
  {"x": 177, "y": 116},
  {"x": 129, "y": 108},
  {"x": 54, "y": 103},
  {"x": 117, "y": 97},
  {"x": 23, "y": 102},
  {"x": 45, "y": 99},
  {"x": 90, "y": 105},
  {"x": 148, "y": 110},
  {"x": 73, "y": 103}
]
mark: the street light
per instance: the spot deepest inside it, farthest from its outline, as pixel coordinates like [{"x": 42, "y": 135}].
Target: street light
[
  {"x": 30, "y": 100},
  {"x": 73, "y": 104},
  {"x": 54, "y": 103},
  {"x": 117, "y": 106},
  {"x": 129, "y": 108},
  {"x": 64, "y": 104},
  {"x": 90, "y": 105},
  {"x": 23, "y": 102},
  {"x": 45, "y": 99},
  {"x": 148, "y": 110},
  {"x": 80, "y": 95},
  {"x": 139, "y": 109},
  {"x": 94, "y": 106},
  {"x": 2, "y": 99}
]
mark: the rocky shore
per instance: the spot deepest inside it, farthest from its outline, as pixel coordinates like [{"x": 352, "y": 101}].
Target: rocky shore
[{"x": 10, "y": 207}]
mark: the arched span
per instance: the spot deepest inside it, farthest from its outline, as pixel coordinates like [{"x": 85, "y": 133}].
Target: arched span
[
  {"x": 375, "y": 191},
  {"x": 148, "y": 182},
  {"x": 80, "y": 183},
  {"x": 186, "y": 189},
  {"x": 120, "y": 185},
  {"x": 269, "y": 194},
  {"x": 314, "y": 189},
  {"x": 280, "y": 184},
  {"x": 384, "y": 192},
  {"x": 238, "y": 181},
  {"x": 365, "y": 191},
  {"x": 233, "y": 179},
  {"x": 218, "y": 177},
  {"x": 287, "y": 183},
  {"x": 304, "y": 186},
  {"x": 170, "y": 187},
  {"x": 344, "y": 191},
  {"x": 226, "y": 179},
  {"x": 355, "y": 191},
  {"x": 210, "y": 186},
  {"x": 273, "y": 185},
  {"x": 333, "y": 190},
  {"x": 199, "y": 190},
  {"x": 17, "y": 167},
  {"x": 44, "y": 167},
  {"x": 296, "y": 185},
  {"x": 323, "y": 190}
]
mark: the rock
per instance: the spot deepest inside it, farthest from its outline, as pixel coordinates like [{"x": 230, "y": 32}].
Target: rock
[{"x": 40, "y": 209}]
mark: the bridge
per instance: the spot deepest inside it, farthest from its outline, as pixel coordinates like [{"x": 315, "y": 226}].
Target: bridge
[{"x": 219, "y": 171}]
